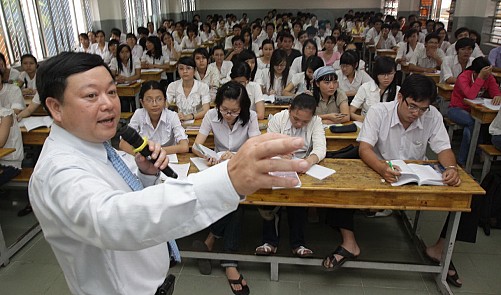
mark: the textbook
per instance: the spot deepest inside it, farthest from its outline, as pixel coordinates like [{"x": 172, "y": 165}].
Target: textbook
[
  {"x": 31, "y": 123},
  {"x": 421, "y": 174}
]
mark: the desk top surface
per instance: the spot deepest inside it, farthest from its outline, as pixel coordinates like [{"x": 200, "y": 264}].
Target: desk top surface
[
  {"x": 445, "y": 86},
  {"x": 6, "y": 151},
  {"x": 478, "y": 107}
]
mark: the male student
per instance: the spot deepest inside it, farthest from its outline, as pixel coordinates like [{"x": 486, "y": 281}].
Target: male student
[
  {"x": 401, "y": 129},
  {"x": 107, "y": 232}
]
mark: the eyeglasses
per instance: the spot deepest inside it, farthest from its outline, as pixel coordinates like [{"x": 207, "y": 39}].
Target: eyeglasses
[
  {"x": 185, "y": 68},
  {"x": 225, "y": 112},
  {"x": 150, "y": 100},
  {"x": 414, "y": 108}
]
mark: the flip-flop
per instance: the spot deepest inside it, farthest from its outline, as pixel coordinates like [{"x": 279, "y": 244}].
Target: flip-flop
[
  {"x": 204, "y": 265},
  {"x": 453, "y": 279},
  {"x": 347, "y": 256},
  {"x": 265, "y": 250},
  {"x": 245, "y": 289},
  {"x": 302, "y": 252}
]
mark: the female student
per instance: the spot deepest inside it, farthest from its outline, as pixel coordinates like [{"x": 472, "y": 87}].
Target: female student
[
  {"x": 153, "y": 57},
  {"x": 407, "y": 48},
  {"x": 10, "y": 137},
  {"x": 267, "y": 47},
  {"x": 206, "y": 34},
  {"x": 250, "y": 58},
  {"x": 126, "y": 69},
  {"x": 156, "y": 122},
  {"x": 191, "y": 40},
  {"x": 11, "y": 96},
  {"x": 298, "y": 121},
  {"x": 220, "y": 66},
  {"x": 303, "y": 82},
  {"x": 9, "y": 74},
  {"x": 100, "y": 47},
  {"x": 232, "y": 123},
  {"x": 301, "y": 38},
  {"x": 328, "y": 54},
  {"x": 248, "y": 44},
  {"x": 28, "y": 78},
  {"x": 341, "y": 43},
  {"x": 350, "y": 46},
  {"x": 475, "y": 81},
  {"x": 349, "y": 76},
  {"x": 83, "y": 38},
  {"x": 274, "y": 79},
  {"x": 189, "y": 95},
  {"x": 444, "y": 39},
  {"x": 203, "y": 73},
  {"x": 299, "y": 64},
  {"x": 241, "y": 73},
  {"x": 169, "y": 46},
  {"x": 382, "y": 88},
  {"x": 332, "y": 102}
]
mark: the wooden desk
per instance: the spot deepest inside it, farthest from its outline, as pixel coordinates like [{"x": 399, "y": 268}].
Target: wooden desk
[
  {"x": 270, "y": 108},
  {"x": 445, "y": 90},
  {"x": 129, "y": 90},
  {"x": 5, "y": 151},
  {"x": 149, "y": 75},
  {"x": 35, "y": 136},
  {"x": 337, "y": 141},
  {"x": 482, "y": 115},
  {"x": 434, "y": 76},
  {"x": 126, "y": 115},
  {"x": 357, "y": 39},
  {"x": 386, "y": 52},
  {"x": 355, "y": 185}
]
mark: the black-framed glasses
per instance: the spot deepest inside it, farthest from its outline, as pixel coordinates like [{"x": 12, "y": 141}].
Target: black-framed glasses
[
  {"x": 414, "y": 108},
  {"x": 229, "y": 113}
]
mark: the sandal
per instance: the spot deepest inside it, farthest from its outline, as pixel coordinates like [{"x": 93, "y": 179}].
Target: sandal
[
  {"x": 245, "y": 289},
  {"x": 204, "y": 265},
  {"x": 331, "y": 259},
  {"x": 302, "y": 252},
  {"x": 453, "y": 279},
  {"x": 266, "y": 250}
]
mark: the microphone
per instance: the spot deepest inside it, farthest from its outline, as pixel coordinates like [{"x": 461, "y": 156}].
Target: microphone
[{"x": 135, "y": 140}]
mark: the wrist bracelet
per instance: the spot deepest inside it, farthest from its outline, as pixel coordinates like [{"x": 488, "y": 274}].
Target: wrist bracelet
[{"x": 451, "y": 167}]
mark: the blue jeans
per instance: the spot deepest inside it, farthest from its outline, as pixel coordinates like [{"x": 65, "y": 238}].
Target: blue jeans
[
  {"x": 296, "y": 217},
  {"x": 229, "y": 227},
  {"x": 496, "y": 141},
  {"x": 464, "y": 119}
]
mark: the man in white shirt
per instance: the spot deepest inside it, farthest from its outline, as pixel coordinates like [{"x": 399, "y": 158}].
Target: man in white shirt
[
  {"x": 373, "y": 32},
  {"x": 429, "y": 58},
  {"x": 459, "y": 34},
  {"x": 385, "y": 40},
  {"x": 107, "y": 237},
  {"x": 454, "y": 65}
]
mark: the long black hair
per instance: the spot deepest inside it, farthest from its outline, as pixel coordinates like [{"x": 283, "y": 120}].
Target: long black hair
[
  {"x": 313, "y": 62},
  {"x": 304, "y": 58},
  {"x": 243, "y": 57},
  {"x": 119, "y": 59},
  {"x": 385, "y": 65},
  {"x": 149, "y": 85},
  {"x": 279, "y": 56},
  {"x": 234, "y": 91},
  {"x": 157, "y": 45}
]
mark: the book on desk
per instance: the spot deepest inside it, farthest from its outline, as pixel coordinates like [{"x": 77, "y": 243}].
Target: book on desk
[
  {"x": 420, "y": 174},
  {"x": 34, "y": 122}
]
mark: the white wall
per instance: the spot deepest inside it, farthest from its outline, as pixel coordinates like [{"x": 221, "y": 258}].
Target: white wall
[
  {"x": 287, "y": 4},
  {"x": 477, "y": 8}
]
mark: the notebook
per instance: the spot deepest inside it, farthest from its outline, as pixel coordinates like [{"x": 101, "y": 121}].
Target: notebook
[
  {"x": 420, "y": 174},
  {"x": 35, "y": 122}
]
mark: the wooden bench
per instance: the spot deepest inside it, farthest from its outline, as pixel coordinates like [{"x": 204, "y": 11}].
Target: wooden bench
[
  {"x": 490, "y": 154},
  {"x": 21, "y": 180},
  {"x": 451, "y": 127}
]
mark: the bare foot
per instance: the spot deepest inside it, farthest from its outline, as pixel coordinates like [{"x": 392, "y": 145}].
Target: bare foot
[{"x": 209, "y": 241}]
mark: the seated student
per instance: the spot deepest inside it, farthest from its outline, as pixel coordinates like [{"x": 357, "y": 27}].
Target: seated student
[
  {"x": 137, "y": 50},
  {"x": 299, "y": 63},
  {"x": 10, "y": 137},
  {"x": 232, "y": 123},
  {"x": 191, "y": 40},
  {"x": 407, "y": 48},
  {"x": 416, "y": 121},
  {"x": 459, "y": 34},
  {"x": 169, "y": 47},
  {"x": 429, "y": 58},
  {"x": 287, "y": 41},
  {"x": 328, "y": 54},
  {"x": 274, "y": 79},
  {"x": 83, "y": 38},
  {"x": 298, "y": 121},
  {"x": 385, "y": 40},
  {"x": 101, "y": 46},
  {"x": 267, "y": 47},
  {"x": 112, "y": 51},
  {"x": 9, "y": 74},
  {"x": 443, "y": 43},
  {"x": 178, "y": 33},
  {"x": 454, "y": 65},
  {"x": 332, "y": 102},
  {"x": 373, "y": 32},
  {"x": 126, "y": 69},
  {"x": 206, "y": 34},
  {"x": 350, "y": 78},
  {"x": 203, "y": 73},
  {"x": 190, "y": 96},
  {"x": 299, "y": 42},
  {"x": 248, "y": 44},
  {"x": 341, "y": 42},
  {"x": 221, "y": 66},
  {"x": 11, "y": 96},
  {"x": 416, "y": 25},
  {"x": 495, "y": 131},
  {"x": 303, "y": 82},
  {"x": 156, "y": 122},
  {"x": 228, "y": 43},
  {"x": 28, "y": 77},
  {"x": 361, "y": 63},
  {"x": 241, "y": 73},
  {"x": 381, "y": 88},
  {"x": 475, "y": 81},
  {"x": 250, "y": 58},
  {"x": 154, "y": 58},
  {"x": 396, "y": 33},
  {"x": 237, "y": 47}
]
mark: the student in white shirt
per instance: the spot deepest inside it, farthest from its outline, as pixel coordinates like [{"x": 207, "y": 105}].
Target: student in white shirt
[
  {"x": 299, "y": 42},
  {"x": 407, "y": 49},
  {"x": 332, "y": 102},
  {"x": 101, "y": 46},
  {"x": 221, "y": 66},
  {"x": 382, "y": 88},
  {"x": 444, "y": 40},
  {"x": 250, "y": 58},
  {"x": 156, "y": 122},
  {"x": 153, "y": 57},
  {"x": 178, "y": 33},
  {"x": 92, "y": 37},
  {"x": 303, "y": 82},
  {"x": 361, "y": 62},
  {"x": 232, "y": 123},
  {"x": 267, "y": 48},
  {"x": 10, "y": 137},
  {"x": 137, "y": 50},
  {"x": 126, "y": 69},
  {"x": 169, "y": 47},
  {"x": 396, "y": 33},
  {"x": 373, "y": 32},
  {"x": 203, "y": 73},
  {"x": 454, "y": 65},
  {"x": 191, "y": 40},
  {"x": 429, "y": 58},
  {"x": 248, "y": 44},
  {"x": 416, "y": 25},
  {"x": 241, "y": 73},
  {"x": 83, "y": 38},
  {"x": 461, "y": 33},
  {"x": 190, "y": 96},
  {"x": 385, "y": 40},
  {"x": 350, "y": 77},
  {"x": 206, "y": 34},
  {"x": 298, "y": 121},
  {"x": 274, "y": 79},
  {"x": 309, "y": 49},
  {"x": 11, "y": 96},
  {"x": 9, "y": 74},
  {"x": 28, "y": 77}
]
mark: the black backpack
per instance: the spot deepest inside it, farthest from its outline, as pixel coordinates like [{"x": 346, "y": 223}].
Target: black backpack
[{"x": 490, "y": 210}]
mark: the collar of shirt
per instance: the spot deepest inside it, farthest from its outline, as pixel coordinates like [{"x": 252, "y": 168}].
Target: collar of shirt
[
  {"x": 147, "y": 119},
  {"x": 395, "y": 120},
  {"x": 194, "y": 89}
]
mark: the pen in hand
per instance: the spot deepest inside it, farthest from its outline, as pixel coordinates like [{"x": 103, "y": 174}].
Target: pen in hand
[{"x": 392, "y": 168}]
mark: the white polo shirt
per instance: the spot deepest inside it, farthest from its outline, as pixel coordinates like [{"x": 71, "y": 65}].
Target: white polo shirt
[
  {"x": 360, "y": 78},
  {"x": 126, "y": 70},
  {"x": 192, "y": 104},
  {"x": 11, "y": 97},
  {"x": 420, "y": 59},
  {"x": 225, "y": 69},
  {"x": 255, "y": 93},
  {"x": 277, "y": 82},
  {"x": 368, "y": 96},
  {"x": 451, "y": 67}
]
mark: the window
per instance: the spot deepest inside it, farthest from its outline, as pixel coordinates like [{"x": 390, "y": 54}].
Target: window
[
  {"x": 138, "y": 13},
  {"x": 390, "y": 7},
  {"x": 496, "y": 24},
  {"x": 187, "y": 5}
]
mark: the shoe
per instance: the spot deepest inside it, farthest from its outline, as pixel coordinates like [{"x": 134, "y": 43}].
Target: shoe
[
  {"x": 25, "y": 211},
  {"x": 331, "y": 259},
  {"x": 453, "y": 279},
  {"x": 383, "y": 213},
  {"x": 302, "y": 252},
  {"x": 204, "y": 265},
  {"x": 245, "y": 289},
  {"x": 265, "y": 250}
]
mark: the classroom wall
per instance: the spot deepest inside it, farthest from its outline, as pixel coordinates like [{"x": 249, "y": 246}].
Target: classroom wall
[{"x": 476, "y": 15}]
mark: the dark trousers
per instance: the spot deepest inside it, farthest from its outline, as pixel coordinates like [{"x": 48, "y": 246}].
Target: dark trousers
[
  {"x": 340, "y": 218},
  {"x": 127, "y": 104},
  {"x": 468, "y": 223},
  {"x": 296, "y": 217},
  {"x": 496, "y": 141},
  {"x": 229, "y": 227}
]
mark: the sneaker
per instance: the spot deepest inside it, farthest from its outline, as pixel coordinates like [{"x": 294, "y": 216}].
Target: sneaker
[{"x": 383, "y": 213}]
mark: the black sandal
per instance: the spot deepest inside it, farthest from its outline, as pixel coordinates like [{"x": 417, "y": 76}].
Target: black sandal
[
  {"x": 347, "y": 256},
  {"x": 204, "y": 265},
  {"x": 453, "y": 279},
  {"x": 245, "y": 289}
]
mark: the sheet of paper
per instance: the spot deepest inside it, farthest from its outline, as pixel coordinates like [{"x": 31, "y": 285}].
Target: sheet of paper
[
  {"x": 33, "y": 122},
  {"x": 269, "y": 98},
  {"x": 150, "y": 70},
  {"x": 320, "y": 172},
  {"x": 477, "y": 100},
  {"x": 286, "y": 174},
  {"x": 188, "y": 122},
  {"x": 200, "y": 163},
  {"x": 207, "y": 152},
  {"x": 359, "y": 124},
  {"x": 180, "y": 169},
  {"x": 488, "y": 104},
  {"x": 173, "y": 158}
]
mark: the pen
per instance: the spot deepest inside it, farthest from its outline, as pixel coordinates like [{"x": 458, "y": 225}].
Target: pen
[{"x": 392, "y": 168}]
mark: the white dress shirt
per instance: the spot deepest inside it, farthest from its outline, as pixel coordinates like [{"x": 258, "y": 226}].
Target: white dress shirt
[
  {"x": 360, "y": 78},
  {"x": 192, "y": 104},
  {"x": 383, "y": 130},
  {"x": 313, "y": 134},
  {"x": 387, "y": 43},
  {"x": 255, "y": 93},
  {"x": 277, "y": 82},
  {"x": 151, "y": 60},
  {"x": 296, "y": 66},
  {"x": 11, "y": 97},
  {"x": 451, "y": 51},
  {"x": 402, "y": 52},
  {"x": 226, "y": 139},
  {"x": 225, "y": 69},
  {"x": 451, "y": 67},
  {"x": 137, "y": 51},
  {"x": 299, "y": 83},
  {"x": 368, "y": 96},
  {"x": 186, "y": 43},
  {"x": 28, "y": 82},
  {"x": 126, "y": 70},
  {"x": 14, "y": 140},
  {"x": 96, "y": 50},
  {"x": 211, "y": 77},
  {"x": 419, "y": 58},
  {"x": 106, "y": 238},
  {"x": 261, "y": 65},
  {"x": 168, "y": 132}
]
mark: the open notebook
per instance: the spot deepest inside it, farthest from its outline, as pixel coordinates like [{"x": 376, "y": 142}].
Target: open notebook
[{"x": 421, "y": 174}]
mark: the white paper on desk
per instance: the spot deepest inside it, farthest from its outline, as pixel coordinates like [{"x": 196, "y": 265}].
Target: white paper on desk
[
  {"x": 31, "y": 123},
  {"x": 150, "y": 70},
  {"x": 358, "y": 124},
  {"x": 477, "y": 100},
  {"x": 200, "y": 163},
  {"x": 207, "y": 152},
  {"x": 286, "y": 174},
  {"x": 488, "y": 104},
  {"x": 173, "y": 158},
  {"x": 320, "y": 172},
  {"x": 180, "y": 169},
  {"x": 188, "y": 122},
  {"x": 269, "y": 98}
]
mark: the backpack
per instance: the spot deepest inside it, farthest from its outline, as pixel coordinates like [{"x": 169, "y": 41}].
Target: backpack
[{"x": 490, "y": 209}]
